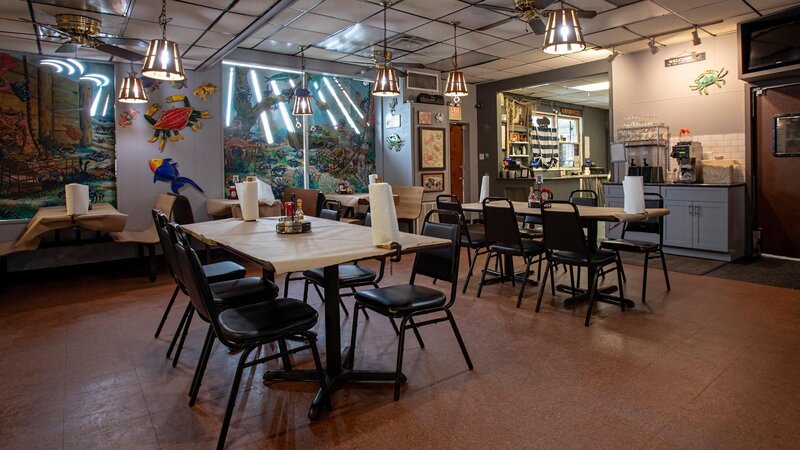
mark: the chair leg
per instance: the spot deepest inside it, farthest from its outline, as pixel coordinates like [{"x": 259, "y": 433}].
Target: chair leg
[
  {"x": 619, "y": 260},
  {"x": 237, "y": 378},
  {"x": 553, "y": 281},
  {"x": 572, "y": 280},
  {"x": 578, "y": 276},
  {"x": 351, "y": 357},
  {"x": 286, "y": 284},
  {"x": 664, "y": 265},
  {"x": 592, "y": 290},
  {"x": 205, "y": 354},
  {"x": 620, "y": 286},
  {"x": 547, "y": 269},
  {"x": 483, "y": 274},
  {"x": 305, "y": 291},
  {"x": 416, "y": 332},
  {"x": 458, "y": 338},
  {"x": 394, "y": 325},
  {"x": 166, "y": 311},
  {"x": 644, "y": 278},
  {"x": 183, "y": 338},
  {"x": 323, "y": 383},
  {"x": 178, "y": 330},
  {"x": 471, "y": 267},
  {"x": 539, "y": 269},
  {"x": 399, "y": 369},
  {"x": 524, "y": 282}
]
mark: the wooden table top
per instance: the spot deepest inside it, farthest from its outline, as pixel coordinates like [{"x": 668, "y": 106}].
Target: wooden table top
[{"x": 602, "y": 213}]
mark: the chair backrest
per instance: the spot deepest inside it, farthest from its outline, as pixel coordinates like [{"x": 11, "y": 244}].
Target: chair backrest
[
  {"x": 165, "y": 203},
  {"x": 440, "y": 263},
  {"x": 583, "y": 197},
  {"x": 653, "y": 225},
  {"x": 450, "y": 202},
  {"x": 335, "y": 205},
  {"x": 500, "y": 222},
  {"x": 161, "y": 222},
  {"x": 182, "y": 210},
  {"x": 310, "y": 199},
  {"x": 330, "y": 214},
  {"x": 193, "y": 276},
  {"x": 409, "y": 204},
  {"x": 563, "y": 230}
]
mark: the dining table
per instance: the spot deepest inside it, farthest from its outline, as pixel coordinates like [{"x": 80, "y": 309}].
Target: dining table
[
  {"x": 352, "y": 201},
  {"x": 328, "y": 244},
  {"x": 590, "y": 216}
]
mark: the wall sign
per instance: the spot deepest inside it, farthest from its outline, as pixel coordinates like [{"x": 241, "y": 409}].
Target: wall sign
[
  {"x": 685, "y": 59},
  {"x": 454, "y": 112},
  {"x": 571, "y": 111}
]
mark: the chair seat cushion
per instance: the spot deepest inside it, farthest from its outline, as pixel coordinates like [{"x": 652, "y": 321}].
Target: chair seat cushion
[
  {"x": 263, "y": 320},
  {"x": 629, "y": 245},
  {"x": 401, "y": 299},
  {"x": 529, "y": 248},
  {"x": 349, "y": 275},
  {"x": 223, "y": 271},
  {"x": 243, "y": 291},
  {"x": 597, "y": 257}
]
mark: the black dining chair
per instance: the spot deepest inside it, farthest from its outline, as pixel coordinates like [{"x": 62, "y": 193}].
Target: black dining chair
[
  {"x": 330, "y": 214},
  {"x": 409, "y": 301},
  {"x": 227, "y": 291},
  {"x": 245, "y": 328},
  {"x": 503, "y": 236},
  {"x": 472, "y": 237},
  {"x": 583, "y": 197},
  {"x": 651, "y": 250},
  {"x": 565, "y": 243}
]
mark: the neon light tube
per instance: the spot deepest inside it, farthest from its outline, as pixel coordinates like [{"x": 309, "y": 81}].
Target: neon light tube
[
  {"x": 352, "y": 103},
  {"x": 96, "y": 102},
  {"x": 322, "y": 99},
  {"x": 341, "y": 105},
  {"x": 282, "y": 107},
  {"x": 229, "y": 107},
  {"x": 78, "y": 64},
  {"x": 259, "y": 66},
  {"x": 263, "y": 115}
]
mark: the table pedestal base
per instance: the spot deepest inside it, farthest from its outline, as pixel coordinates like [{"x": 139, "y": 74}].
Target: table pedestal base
[{"x": 601, "y": 295}]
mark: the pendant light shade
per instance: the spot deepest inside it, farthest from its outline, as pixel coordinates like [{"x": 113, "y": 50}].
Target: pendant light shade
[
  {"x": 563, "y": 34},
  {"x": 302, "y": 96},
  {"x": 163, "y": 59},
  {"x": 386, "y": 84},
  {"x": 456, "y": 84},
  {"x": 132, "y": 89}
]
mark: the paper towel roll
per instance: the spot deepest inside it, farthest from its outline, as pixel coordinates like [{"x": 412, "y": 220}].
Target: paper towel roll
[
  {"x": 248, "y": 199},
  {"x": 373, "y": 178},
  {"x": 633, "y": 190},
  {"x": 484, "y": 187},
  {"x": 385, "y": 229},
  {"x": 77, "y": 198}
]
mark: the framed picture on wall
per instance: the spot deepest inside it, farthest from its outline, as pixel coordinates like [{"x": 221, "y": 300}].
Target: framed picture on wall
[
  {"x": 431, "y": 148},
  {"x": 432, "y": 182},
  {"x": 424, "y": 117}
]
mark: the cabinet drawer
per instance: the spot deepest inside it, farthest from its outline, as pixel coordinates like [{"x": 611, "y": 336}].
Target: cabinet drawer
[{"x": 719, "y": 195}]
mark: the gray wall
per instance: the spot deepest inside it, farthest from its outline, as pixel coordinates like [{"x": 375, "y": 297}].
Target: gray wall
[{"x": 596, "y": 126}]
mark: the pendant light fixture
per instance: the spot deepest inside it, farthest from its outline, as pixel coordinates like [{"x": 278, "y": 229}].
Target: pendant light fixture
[
  {"x": 563, "y": 34},
  {"x": 163, "y": 59},
  {"x": 456, "y": 84},
  {"x": 302, "y": 97},
  {"x": 132, "y": 89},
  {"x": 386, "y": 84}
]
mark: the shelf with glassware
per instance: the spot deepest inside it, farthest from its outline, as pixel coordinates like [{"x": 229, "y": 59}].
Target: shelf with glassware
[{"x": 646, "y": 151}]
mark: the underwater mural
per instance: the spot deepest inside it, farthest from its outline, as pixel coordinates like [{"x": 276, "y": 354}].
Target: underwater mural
[
  {"x": 56, "y": 127},
  {"x": 262, "y": 137}
]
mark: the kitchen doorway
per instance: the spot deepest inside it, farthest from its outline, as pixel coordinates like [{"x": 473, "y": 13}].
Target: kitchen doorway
[{"x": 457, "y": 160}]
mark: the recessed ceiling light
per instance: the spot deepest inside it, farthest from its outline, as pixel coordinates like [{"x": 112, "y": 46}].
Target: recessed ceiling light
[{"x": 593, "y": 87}]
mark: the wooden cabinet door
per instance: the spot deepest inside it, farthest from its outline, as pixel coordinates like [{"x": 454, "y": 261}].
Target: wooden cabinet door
[
  {"x": 711, "y": 226},
  {"x": 678, "y": 223}
]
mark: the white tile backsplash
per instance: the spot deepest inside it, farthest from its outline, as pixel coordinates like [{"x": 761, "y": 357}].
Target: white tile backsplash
[{"x": 730, "y": 146}]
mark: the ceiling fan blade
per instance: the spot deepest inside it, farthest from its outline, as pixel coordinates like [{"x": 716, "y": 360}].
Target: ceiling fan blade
[
  {"x": 133, "y": 42},
  {"x": 498, "y": 8},
  {"x": 537, "y": 26},
  {"x": 542, "y": 4},
  {"x": 67, "y": 47},
  {"x": 409, "y": 65},
  {"x": 584, "y": 14},
  {"x": 119, "y": 52},
  {"x": 496, "y": 24}
]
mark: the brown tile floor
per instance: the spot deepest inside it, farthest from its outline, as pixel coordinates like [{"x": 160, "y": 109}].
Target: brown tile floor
[{"x": 712, "y": 364}]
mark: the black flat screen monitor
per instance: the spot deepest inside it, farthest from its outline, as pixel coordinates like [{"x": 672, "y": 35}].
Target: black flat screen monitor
[{"x": 772, "y": 42}]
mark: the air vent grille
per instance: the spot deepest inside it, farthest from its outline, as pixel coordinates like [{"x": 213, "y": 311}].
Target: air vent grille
[{"x": 408, "y": 43}]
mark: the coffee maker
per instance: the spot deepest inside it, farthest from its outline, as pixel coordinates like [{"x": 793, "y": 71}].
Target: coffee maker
[{"x": 686, "y": 153}]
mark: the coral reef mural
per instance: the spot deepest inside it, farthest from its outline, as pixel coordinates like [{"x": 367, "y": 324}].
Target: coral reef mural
[
  {"x": 56, "y": 127},
  {"x": 262, "y": 137}
]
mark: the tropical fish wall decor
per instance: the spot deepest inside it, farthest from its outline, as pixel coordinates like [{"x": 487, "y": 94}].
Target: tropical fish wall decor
[
  {"x": 205, "y": 91},
  {"x": 166, "y": 170},
  {"x": 127, "y": 117},
  {"x": 178, "y": 84},
  {"x": 169, "y": 124}
]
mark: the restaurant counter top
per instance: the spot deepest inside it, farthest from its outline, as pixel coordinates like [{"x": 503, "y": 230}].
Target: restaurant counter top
[
  {"x": 609, "y": 183},
  {"x": 566, "y": 177}
]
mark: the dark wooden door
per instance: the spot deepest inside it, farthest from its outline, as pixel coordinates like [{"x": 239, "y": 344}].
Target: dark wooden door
[
  {"x": 777, "y": 184},
  {"x": 457, "y": 160}
]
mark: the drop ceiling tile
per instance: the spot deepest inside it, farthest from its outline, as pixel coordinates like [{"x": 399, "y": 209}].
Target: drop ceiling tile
[
  {"x": 320, "y": 24},
  {"x": 256, "y": 7},
  {"x": 529, "y": 39},
  {"x": 500, "y": 75},
  {"x": 431, "y": 9},
  {"x": 499, "y": 64},
  {"x": 438, "y": 50},
  {"x": 250, "y": 42},
  {"x": 509, "y": 30},
  {"x": 721, "y": 10},
  {"x": 591, "y": 55},
  {"x": 183, "y": 14},
  {"x": 683, "y": 5},
  {"x": 326, "y": 55},
  {"x": 531, "y": 56},
  {"x": 354, "y": 39},
  {"x": 592, "y": 5},
  {"x": 16, "y": 26},
  {"x": 505, "y": 49},
  {"x": 763, "y": 6},
  {"x": 215, "y": 40},
  {"x": 150, "y": 30},
  {"x": 557, "y": 63},
  {"x": 232, "y": 23},
  {"x": 526, "y": 69},
  {"x": 632, "y": 13},
  {"x": 435, "y": 31},
  {"x": 477, "y": 70},
  {"x": 417, "y": 58},
  {"x": 273, "y": 46},
  {"x": 220, "y": 5},
  {"x": 633, "y": 47},
  {"x": 658, "y": 25},
  {"x": 15, "y": 9},
  {"x": 396, "y": 21},
  {"x": 300, "y": 37},
  {"x": 610, "y": 37},
  {"x": 354, "y": 59},
  {"x": 285, "y": 16},
  {"x": 729, "y": 24},
  {"x": 266, "y": 31},
  {"x": 473, "y": 41},
  {"x": 199, "y": 53},
  {"x": 304, "y": 5},
  {"x": 350, "y": 10},
  {"x": 15, "y": 44},
  {"x": 473, "y": 17}
]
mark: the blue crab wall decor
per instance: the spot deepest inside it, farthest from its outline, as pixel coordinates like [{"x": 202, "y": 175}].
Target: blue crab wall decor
[{"x": 709, "y": 78}]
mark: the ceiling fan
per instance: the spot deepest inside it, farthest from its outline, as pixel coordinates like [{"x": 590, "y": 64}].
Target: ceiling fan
[
  {"x": 82, "y": 31},
  {"x": 531, "y": 12}
]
